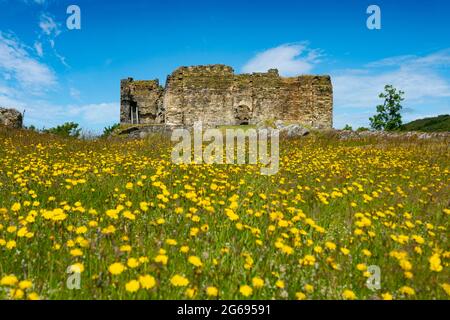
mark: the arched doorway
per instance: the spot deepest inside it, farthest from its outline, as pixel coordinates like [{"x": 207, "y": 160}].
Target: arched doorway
[{"x": 242, "y": 114}]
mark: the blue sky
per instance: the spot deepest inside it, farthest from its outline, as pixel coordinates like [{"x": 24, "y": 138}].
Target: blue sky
[{"x": 59, "y": 75}]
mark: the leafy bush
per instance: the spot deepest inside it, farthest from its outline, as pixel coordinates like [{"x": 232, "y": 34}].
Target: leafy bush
[
  {"x": 110, "y": 129},
  {"x": 348, "y": 127},
  {"x": 68, "y": 129}
]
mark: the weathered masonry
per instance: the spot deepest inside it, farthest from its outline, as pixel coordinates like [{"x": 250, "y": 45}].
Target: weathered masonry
[{"x": 215, "y": 95}]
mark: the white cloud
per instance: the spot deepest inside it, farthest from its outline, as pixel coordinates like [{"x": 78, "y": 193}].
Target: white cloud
[
  {"x": 38, "y": 48},
  {"x": 16, "y": 61},
  {"x": 50, "y": 30},
  {"x": 424, "y": 79},
  {"x": 289, "y": 59},
  {"x": 48, "y": 25},
  {"x": 96, "y": 114},
  {"x": 416, "y": 76}
]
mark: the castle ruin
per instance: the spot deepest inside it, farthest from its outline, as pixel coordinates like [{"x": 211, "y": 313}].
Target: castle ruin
[{"x": 215, "y": 95}]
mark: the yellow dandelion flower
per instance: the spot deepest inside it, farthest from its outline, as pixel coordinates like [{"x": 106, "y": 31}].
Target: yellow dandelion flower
[
  {"x": 116, "y": 268},
  {"x": 9, "y": 280},
  {"x": 195, "y": 261},
  {"x": 132, "y": 263},
  {"x": 161, "y": 258},
  {"x": 257, "y": 282},
  {"x": 300, "y": 296},
  {"x": 132, "y": 286},
  {"x": 147, "y": 281},
  {"x": 408, "y": 291},
  {"x": 212, "y": 291},
  {"x": 348, "y": 295},
  {"x": 387, "y": 296},
  {"x": 179, "y": 281},
  {"x": 435, "y": 263},
  {"x": 246, "y": 290}
]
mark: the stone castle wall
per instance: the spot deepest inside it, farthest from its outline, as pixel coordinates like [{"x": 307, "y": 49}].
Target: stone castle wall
[{"x": 217, "y": 96}]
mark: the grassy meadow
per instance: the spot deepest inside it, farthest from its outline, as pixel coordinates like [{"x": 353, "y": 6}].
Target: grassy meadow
[{"x": 129, "y": 224}]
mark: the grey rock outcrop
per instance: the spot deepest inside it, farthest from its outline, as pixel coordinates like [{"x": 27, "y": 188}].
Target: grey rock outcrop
[{"x": 10, "y": 118}]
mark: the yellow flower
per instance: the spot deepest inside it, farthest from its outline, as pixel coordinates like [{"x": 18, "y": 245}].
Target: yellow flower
[
  {"x": 184, "y": 249},
  {"x": 280, "y": 284},
  {"x": 76, "y": 252},
  {"x": 132, "y": 263},
  {"x": 25, "y": 284},
  {"x": 81, "y": 230},
  {"x": 161, "y": 258},
  {"x": 10, "y": 280},
  {"x": 318, "y": 249},
  {"x": 330, "y": 245},
  {"x": 195, "y": 261},
  {"x": 76, "y": 268},
  {"x": 132, "y": 286},
  {"x": 386, "y": 296},
  {"x": 190, "y": 292},
  {"x": 405, "y": 264},
  {"x": 16, "y": 293},
  {"x": 308, "y": 260},
  {"x": 446, "y": 287},
  {"x": 308, "y": 288},
  {"x": 179, "y": 281},
  {"x": 129, "y": 186},
  {"x": 246, "y": 290},
  {"x": 147, "y": 281},
  {"x": 361, "y": 267},
  {"x": 257, "y": 282},
  {"x": 11, "y": 244},
  {"x": 435, "y": 263},
  {"x": 33, "y": 296},
  {"x": 348, "y": 295},
  {"x": 194, "y": 231},
  {"x": 345, "y": 251},
  {"x": 116, "y": 268},
  {"x": 300, "y": 296},
  {"x": 112, "y": 213},
  {"x": 231, "y": 215},
  {"x": 212, "y": 291},
  {"x": 16, "y": 207},
  {"x": 171, "y": 242},
  {"x": 127, "y": 214},
  {"x": 407, "y": 291}
]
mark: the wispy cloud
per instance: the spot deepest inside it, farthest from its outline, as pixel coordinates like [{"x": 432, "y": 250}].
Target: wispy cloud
[
  {"x": 50, "y": 29},
  {"x": 16, "y": 61},
  {"x": 25, "y": 80},
  {"x": 289, "y": 59},
  {"x": 96, "y": 113},
  {"x": 48, "y": 25},
  {"x": 38, "y": 48},
  {"x": 424, "y": 79}
]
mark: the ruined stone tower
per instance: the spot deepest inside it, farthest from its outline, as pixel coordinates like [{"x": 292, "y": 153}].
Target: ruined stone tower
[{"x": 215, "y": 95}]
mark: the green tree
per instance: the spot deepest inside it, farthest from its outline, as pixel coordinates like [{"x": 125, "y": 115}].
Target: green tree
[
  {"x": 68, "y": 129},
  {"x": 388, "y": 115},
  {"x": 110, "y": 129},
  {"x": 348, "y": 127}
]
